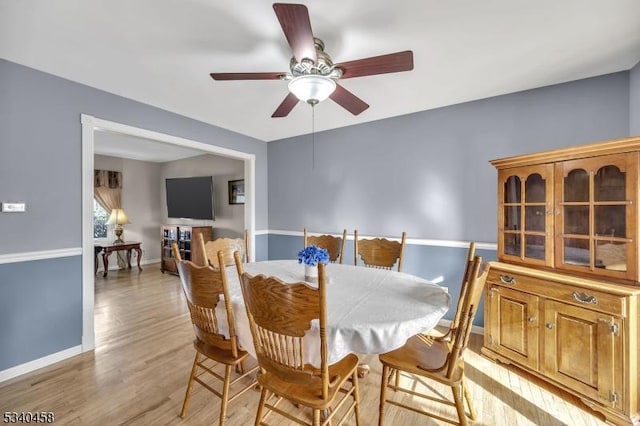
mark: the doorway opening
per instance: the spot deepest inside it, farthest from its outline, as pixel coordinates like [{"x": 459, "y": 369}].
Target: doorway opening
[{"x": 90, "y": 125}]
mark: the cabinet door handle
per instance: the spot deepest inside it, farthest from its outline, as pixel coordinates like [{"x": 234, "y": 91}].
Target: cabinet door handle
[
  {"x": 507, "y": 279},
  {"x": 584, "y": 298},
  {"x": 531, "y": 319},
  {"x": 549, "y": 326}
]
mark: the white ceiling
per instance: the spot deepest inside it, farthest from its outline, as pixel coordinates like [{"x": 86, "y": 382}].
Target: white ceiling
[
  {"x": 137, "y": 148},
  {"x": 161, "y": 52}
]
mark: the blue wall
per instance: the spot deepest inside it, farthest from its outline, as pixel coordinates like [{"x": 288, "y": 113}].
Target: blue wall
[
  {"x": 262, "y": 247},
  {"x": 40, "y": 309},
  {"x": 634, "y": 100}
]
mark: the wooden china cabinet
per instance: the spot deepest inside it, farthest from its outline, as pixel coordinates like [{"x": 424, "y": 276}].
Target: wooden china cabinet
[{"x": 562, "y": 302}]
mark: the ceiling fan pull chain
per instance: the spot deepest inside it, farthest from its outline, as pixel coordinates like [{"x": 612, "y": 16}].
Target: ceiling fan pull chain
[{"x": 313, "y": 137}]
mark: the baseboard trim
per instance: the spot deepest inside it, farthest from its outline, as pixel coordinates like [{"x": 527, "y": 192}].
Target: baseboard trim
[
  {"x": 36, "y": 364},
  {"x": 113, "y": 264},
  {"x": 39, "y": 255},
  {"x": 410, "y": 241}
]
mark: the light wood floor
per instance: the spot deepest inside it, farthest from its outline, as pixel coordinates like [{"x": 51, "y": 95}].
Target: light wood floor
[{"x": 139, "y": 370}]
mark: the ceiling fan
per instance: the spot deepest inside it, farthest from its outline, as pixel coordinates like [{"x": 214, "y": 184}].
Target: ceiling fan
[{"x": 313, "y": 76}]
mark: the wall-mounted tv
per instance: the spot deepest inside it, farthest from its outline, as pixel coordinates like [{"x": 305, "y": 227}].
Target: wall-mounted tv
[{"x": 190, "y": 198}]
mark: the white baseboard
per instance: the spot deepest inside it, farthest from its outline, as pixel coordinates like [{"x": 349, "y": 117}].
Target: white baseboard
[
  {"x": 30, "y": 366},
  {"x": 475, "y": 329},
  {"x": 115, "y": 267}
]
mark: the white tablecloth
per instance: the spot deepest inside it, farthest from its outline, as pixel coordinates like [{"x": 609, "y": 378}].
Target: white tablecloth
[{"x": 369, "y": 311}]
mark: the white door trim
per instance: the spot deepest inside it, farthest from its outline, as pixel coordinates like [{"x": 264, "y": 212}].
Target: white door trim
[{"x": 90, "y": 124}]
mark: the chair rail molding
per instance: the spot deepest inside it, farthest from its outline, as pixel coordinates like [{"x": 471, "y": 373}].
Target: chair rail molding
[
  {"x": 39, "y": 255},
  {"x": 412, "y": 241}
]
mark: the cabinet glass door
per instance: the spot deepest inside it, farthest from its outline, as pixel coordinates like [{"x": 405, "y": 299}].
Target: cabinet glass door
[
  {"x": 525, "y": 200},
  {"x": 593, "y": 230}
]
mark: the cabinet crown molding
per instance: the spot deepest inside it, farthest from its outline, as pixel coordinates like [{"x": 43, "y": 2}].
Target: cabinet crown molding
[{"x": 616, "y": 146}]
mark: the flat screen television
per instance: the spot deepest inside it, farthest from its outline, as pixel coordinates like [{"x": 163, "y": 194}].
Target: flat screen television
[{"x": 190, "y": 198}]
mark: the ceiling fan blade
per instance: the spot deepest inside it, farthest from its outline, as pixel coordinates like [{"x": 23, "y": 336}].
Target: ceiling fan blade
[
  {"x": 348, "y": 100},
  {"x": 393, "y": 62},
  {"x": 294, "y": 20},
  {"x": 247, "y": 75},
  {"x": 286, "y": 106}
]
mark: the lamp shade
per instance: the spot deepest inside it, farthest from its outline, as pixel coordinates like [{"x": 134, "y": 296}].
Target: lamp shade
[
  {"x": 118, "y": 217},
  {"x": 312, "y": 88}
]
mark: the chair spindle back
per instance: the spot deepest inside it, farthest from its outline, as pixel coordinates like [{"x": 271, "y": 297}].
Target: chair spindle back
[
  {"x": 205, "y": 287},
  {"x": 379, "y": 252},
  {"x": 279, "y": 316},
  {"x": 334, "y": 245}
]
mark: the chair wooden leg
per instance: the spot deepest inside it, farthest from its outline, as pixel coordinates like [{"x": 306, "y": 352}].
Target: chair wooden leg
[
  {"x": 467, "y": 397},
  {"x": 187, "y": 395},
  {"x": 263, "y": 398},
  {"x": 356, "y": 396},
  {"x": 459, "y": 400},
  {"x": 397, "y": 375},
  {"x": 392, "y": 375},
  {"x": 383, "y": 393},
  {"x": 316, "y": 417},
  {"x": 225, "y": 394}
]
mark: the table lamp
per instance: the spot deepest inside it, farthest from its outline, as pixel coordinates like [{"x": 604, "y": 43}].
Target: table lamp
[{"x": 119, "y": 218}]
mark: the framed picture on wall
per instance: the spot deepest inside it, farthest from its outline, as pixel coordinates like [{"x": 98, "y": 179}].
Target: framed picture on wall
[{"x": 236, "y": 191}]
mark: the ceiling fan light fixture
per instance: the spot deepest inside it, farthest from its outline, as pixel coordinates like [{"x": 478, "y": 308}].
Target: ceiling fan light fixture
[{"x": 312, "y": 88}]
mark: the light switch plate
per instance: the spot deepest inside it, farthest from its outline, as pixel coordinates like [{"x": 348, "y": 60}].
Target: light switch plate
[{"x": 13, "y": 207}]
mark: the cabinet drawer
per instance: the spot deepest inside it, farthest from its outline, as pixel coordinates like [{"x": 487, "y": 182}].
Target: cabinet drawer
[
  {"x": 587, "y": 298},
  {"x": 514, "y": 280}
]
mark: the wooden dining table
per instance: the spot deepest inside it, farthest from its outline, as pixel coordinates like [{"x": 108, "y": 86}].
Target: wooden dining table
[{"x": 369, "y": 311}]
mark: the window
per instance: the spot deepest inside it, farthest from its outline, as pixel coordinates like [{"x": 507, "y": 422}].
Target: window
[{"x": 100, "y": 218}]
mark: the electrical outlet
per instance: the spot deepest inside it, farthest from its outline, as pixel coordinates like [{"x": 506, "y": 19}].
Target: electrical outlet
[{"x": 13, "y": 207}]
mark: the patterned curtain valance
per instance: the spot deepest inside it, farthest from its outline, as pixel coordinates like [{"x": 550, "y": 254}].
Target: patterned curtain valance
[{"x": 107, "y": 178}]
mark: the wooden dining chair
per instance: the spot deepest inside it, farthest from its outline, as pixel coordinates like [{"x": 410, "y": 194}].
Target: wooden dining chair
[
  {"x": 227, "y": 246},
  {"x": 279, "y": 316},
  {"x": 334, "y": 245},
  {"x": 379, "y": 253},
  {"x": 464, "y": 286},
  {"x": 435, "y": 334},
  {"x": 205, "y": 287},
  {"x": 176, "y": 252},
  {"x": 437, "y": 360}
]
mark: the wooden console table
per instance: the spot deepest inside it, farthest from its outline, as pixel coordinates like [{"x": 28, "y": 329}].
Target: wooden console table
[{"x": 127, "y": 246}]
